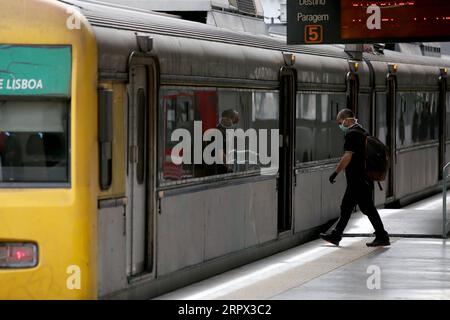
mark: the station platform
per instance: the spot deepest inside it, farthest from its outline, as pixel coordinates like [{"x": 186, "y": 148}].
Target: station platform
[
  {"x": 422, "y": 219},
  {"x": 415, "y": 266}
]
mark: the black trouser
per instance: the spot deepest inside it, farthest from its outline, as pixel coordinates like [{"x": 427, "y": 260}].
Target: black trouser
[{"x": 359, "y": 192}]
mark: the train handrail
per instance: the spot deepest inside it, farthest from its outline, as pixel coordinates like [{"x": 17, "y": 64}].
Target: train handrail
[{"x": 445, "y": 176}]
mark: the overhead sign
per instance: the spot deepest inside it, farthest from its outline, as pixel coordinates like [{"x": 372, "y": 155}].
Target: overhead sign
[
  {"x": 30, "y": 70},
  {"x": 353, "y": 21}
]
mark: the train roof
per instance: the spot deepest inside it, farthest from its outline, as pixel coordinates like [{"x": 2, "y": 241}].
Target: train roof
[
  {"x": 187, "y": 49},
  {"x": 127, "y": 18}
]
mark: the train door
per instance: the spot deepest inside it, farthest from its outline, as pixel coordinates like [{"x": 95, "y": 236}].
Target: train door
[
  {"x": 287, "y": 132},
  {"x": 391, "y": 135},
  {"x": 442, "y": 123},
  {"x": 140, "y": 188}
]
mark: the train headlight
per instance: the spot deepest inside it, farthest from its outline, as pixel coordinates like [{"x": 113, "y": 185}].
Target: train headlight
[{"x": 18, "y": 255}]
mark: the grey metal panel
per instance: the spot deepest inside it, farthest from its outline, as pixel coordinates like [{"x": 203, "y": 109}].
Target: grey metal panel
[
  {"x": 193, "y": 57},
  {"x": 417, "y": 176},
  {"x": 332, "y": 194},
  {"x": 181, "y": 232},
  {"x": 111, "y": 250},
  {"x": 433, "y": 176},
  {"x": 203, "y": 225},
  {"x": 412, "y": 70},
  {"x": 316, "y": 69},
  {"x": 225, "y": 222},
  {"x": 114, "y": 49},
  {"x": 416, "y": 170},
  {"x": 409, "y": 75},
  {"x": 190, "y": 57},
  {"x": 364, "y": 75},
  {"x": 308, "y": 204},
  {"x": 380, "y": 195},
  {"x": 447, "y": 153},
  {"x": 381, "y": 71},
  {"x": 402, "y": 175},
  {"x": 316, "y": 200},
  {"x": 261, "y": 216},
  {"x": 397, "y": 57},
  {"x": 238, "y": 217}
]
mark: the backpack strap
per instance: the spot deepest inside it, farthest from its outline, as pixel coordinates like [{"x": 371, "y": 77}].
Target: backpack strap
[{"x": 379, "y": 186}]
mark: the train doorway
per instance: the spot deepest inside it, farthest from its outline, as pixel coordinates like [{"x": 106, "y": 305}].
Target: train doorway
[
  {"x": 140, "y": 155},
  {"x": 391, "y": 135},
  {"x": 287, "y": 135},
  {"x": 442, "y": 123}
]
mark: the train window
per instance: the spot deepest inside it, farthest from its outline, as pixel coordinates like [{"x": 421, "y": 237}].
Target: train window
[
  {"x": 448, "y": 115},
  {"x": 34, "y": 141},
  {"x": 381, "y": 122},
  {"x": 196, "y": 111},
  {"x": 176, "y": 107},
  {"x": 317, "y": 134},
  {"x": 265, "y": 115},
  {"x": 364, "y": 110},
  {"x": 417, "y": 118},
  {"x": 141, "y": 135}
]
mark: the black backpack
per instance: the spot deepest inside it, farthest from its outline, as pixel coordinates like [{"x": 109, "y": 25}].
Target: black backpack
[{"x": 377, "y": 157}]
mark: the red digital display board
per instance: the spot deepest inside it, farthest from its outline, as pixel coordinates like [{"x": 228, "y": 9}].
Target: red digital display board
[
  {"x": 395, "y": 19},
  {"x": 366, "y": 21}
]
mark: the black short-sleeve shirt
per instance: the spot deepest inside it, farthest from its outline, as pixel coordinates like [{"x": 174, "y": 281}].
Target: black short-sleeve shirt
[{"x": 355, "y": 142}]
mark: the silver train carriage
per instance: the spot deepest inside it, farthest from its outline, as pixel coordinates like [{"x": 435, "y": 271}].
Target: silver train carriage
[{"x": 171, "y": 225}]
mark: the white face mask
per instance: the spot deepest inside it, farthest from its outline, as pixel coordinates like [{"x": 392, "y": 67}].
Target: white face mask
[
  {"x": 226, "y": 123},
  {"x": 344, "y": 128}
]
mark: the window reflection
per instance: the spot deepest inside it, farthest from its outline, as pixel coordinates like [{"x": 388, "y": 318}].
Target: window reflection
[
  {"x": 317, "y": 134},
  {"x": 216, "y": 108},
  {"x": 417, "y": 120},
  {"x": 381, "y": 112}
]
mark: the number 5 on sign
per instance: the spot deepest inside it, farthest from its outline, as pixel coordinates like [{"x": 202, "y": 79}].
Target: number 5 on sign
[{"x": 313, "y": 33}]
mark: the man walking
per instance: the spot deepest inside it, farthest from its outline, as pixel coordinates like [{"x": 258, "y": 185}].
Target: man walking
[{"x": 359, "y": 188}]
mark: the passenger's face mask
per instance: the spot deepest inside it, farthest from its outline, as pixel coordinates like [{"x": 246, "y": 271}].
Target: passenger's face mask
[
  {"x": 227, "y": 123},
  {"x": 343, "y": 127}
]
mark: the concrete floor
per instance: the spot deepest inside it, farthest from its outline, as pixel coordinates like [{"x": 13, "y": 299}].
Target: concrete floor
[
  {"x": 411, "y": 268},
  {"x": 421, "y": 219}
]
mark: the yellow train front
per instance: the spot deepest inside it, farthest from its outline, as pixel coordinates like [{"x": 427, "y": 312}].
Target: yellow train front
[
  {"x": 93, "y": 205},
  {"x": 48, "y": 150}
]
